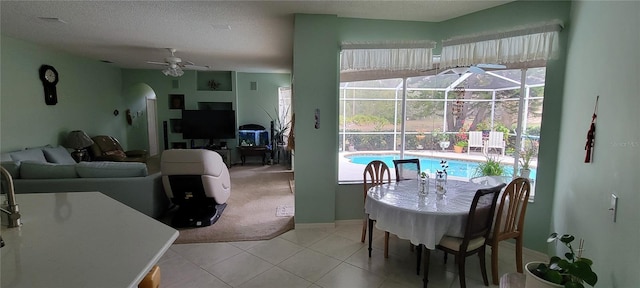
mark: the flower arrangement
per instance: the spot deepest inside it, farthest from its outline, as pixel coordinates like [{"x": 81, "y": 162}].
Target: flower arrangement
[
  {"x": 570, "y": 272},
  {"x": 442, "y": 173}
]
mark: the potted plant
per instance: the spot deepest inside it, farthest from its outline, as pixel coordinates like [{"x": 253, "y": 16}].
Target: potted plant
[
  {"x": 280, "y": 125},
  {"x": 570, "y": 272},
  {"x": 459, "y": 146},
  {"x": 529, "y": 151},
  {"x": 461, "y": 140},
  {"x": 442, "y": 138},
  {"x": 491, "y": 167}
]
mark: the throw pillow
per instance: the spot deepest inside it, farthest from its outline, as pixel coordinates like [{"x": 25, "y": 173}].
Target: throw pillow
[
  {"x": 45, "y": 170},
  {"x": 116, "y": 153},
  {"x": 107, "y": 169},
  {"x": 58, "y": 155},
  {"x": 28, "y": 155}
]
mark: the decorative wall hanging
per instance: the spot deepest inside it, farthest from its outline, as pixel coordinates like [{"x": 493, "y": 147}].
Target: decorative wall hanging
[
  {"x": 591, "y": 134},
  {"x": 459, "y": 103},
  {"x": 214, "y": 85}
]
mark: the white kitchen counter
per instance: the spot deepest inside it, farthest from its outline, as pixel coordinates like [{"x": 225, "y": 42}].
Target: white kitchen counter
[{"x": 80, "y": 239}]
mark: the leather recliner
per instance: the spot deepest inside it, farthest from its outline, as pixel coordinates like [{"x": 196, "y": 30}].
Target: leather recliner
[
  {"x": 107, "y": 148},
  {"x": 198, "y": 182}
]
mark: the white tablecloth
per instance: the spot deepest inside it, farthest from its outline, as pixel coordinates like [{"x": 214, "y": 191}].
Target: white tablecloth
[{"x": 398, "y": 209}]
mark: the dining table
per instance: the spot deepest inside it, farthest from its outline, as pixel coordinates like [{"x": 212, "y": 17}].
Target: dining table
[{"x": 422, "y": 218}]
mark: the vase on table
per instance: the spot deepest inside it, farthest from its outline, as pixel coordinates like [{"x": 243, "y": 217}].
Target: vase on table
[
  {"x": 423, "y": 186},
  {"x": 441, "y": 183}
]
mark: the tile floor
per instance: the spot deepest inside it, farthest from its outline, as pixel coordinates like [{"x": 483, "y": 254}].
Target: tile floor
[{"x": 317, "y": 257}]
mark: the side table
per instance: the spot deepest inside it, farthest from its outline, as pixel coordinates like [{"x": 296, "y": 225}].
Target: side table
[{"x": 261, "y": 151}]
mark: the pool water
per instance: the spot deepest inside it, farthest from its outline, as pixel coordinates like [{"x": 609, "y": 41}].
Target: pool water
[{"x": 459, "y": 168}]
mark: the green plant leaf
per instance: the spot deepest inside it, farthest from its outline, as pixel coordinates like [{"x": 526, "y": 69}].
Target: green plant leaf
[
  {"x": 566, "y": 238},
  {"x": 587, "y": 260},
  {"x": 552, "y": 237},
  {"x": 582, "y": 270},
  {"x": 553, "y": 276},
  {"x": 569, "y": 255}
]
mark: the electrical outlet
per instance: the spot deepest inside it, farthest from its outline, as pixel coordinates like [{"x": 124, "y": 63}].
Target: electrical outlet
[{"x": 614, "y": 206}]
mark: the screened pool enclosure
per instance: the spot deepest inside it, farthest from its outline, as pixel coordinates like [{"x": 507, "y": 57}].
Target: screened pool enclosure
[{"x": 418, "y": 114}]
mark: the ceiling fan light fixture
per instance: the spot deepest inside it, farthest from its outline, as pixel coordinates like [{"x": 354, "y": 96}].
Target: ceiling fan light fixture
[{"x": 174, "y": 72}]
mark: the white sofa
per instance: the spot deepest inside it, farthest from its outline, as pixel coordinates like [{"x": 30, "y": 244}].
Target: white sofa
[{"x": 51, "y": 169}]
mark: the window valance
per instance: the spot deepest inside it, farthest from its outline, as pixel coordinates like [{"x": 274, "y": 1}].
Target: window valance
[
  {"x": 387, "y": 56},
  {"x": 526, "y": 44}
]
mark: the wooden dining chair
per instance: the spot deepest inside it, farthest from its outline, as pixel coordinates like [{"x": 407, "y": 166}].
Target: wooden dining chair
[
  {"x": 476, "y": 233},
  {"x": 374, "y": 174},
  {"x": 509, "y": 222},
  {"x": 407, "y": 169}
]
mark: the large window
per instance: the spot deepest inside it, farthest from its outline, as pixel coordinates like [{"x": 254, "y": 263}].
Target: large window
[{"x": 438, "y": 108}]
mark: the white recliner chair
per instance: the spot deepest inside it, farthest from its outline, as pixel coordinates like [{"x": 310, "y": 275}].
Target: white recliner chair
[{"x": 197, "y": 181}]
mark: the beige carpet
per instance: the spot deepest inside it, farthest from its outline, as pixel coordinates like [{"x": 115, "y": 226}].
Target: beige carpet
[{"x": 257, "y": 192}]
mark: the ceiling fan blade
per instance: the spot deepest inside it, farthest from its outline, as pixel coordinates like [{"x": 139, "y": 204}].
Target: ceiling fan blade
[
  {"x": 157, "y": 63},
  {"x": 196, "y": 67},
  {"x": 188, "y": 62},
  {"x": 476, "y": 69},
  {"x": 491, "y": 66}
]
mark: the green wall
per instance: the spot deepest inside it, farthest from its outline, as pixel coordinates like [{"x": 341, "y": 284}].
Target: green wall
[
  {"x": 88, "y": 92},
  {"x": 315, "y": 86},
  {"x": 602, "y": 60},
  {"x": 252, "y": 104}
]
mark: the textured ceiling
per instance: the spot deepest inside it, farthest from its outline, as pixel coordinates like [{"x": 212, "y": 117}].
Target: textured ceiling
[{"x": 129, "y": 33}]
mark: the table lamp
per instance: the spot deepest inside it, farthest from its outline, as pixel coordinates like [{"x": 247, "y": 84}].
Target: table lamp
[{"x": 78, "y": 140}]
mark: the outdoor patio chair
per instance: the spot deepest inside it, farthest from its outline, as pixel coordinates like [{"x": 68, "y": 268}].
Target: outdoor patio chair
[
  {"x": 496, "y": 141},
  {"x": 509, "y": 222},
  {"x": 475, "y": 141},
  {"x": 374, "y": 174}
]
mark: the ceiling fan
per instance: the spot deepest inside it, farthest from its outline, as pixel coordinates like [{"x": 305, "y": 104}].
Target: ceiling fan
[
  {"x": 474, "y": 69},
  {"x": 175, "y": 65}
]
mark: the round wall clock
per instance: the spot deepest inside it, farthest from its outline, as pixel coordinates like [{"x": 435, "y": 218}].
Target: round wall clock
[{"x": 49, "y": 78}]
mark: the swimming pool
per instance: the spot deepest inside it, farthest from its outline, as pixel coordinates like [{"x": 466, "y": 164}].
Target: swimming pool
[{"x": 459, "y": 168}]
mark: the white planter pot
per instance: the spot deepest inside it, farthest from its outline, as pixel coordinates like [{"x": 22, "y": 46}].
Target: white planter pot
[
  {"x": 444, "y": 144},
  {"x": 533, "y": 281},
  {"x": 524, "y": 173}
]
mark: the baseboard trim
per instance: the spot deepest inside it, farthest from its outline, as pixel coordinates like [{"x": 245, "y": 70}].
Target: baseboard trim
[{"x": 525, "y": 250}]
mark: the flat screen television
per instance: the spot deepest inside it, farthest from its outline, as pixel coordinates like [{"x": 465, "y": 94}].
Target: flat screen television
[{"x": 208, "y": 124}]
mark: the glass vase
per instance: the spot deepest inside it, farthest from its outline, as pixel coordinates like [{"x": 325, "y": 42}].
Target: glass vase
[{"x": 441, "y": 183}]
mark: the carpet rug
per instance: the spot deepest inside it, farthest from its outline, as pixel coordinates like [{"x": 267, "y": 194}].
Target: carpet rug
[{"x": 256, "y": 193}]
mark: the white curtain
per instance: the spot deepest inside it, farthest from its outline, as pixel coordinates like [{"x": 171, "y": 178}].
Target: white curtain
[
  {"x": 386, "y": 56},
  {"x": 521, "y": 45}
]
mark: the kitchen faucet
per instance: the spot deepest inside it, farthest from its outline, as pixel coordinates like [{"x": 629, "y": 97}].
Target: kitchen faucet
[{"x": 11, "y": 208}]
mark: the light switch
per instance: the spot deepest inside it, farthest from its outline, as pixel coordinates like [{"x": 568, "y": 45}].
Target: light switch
[{"x": 614, "y": 206}]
